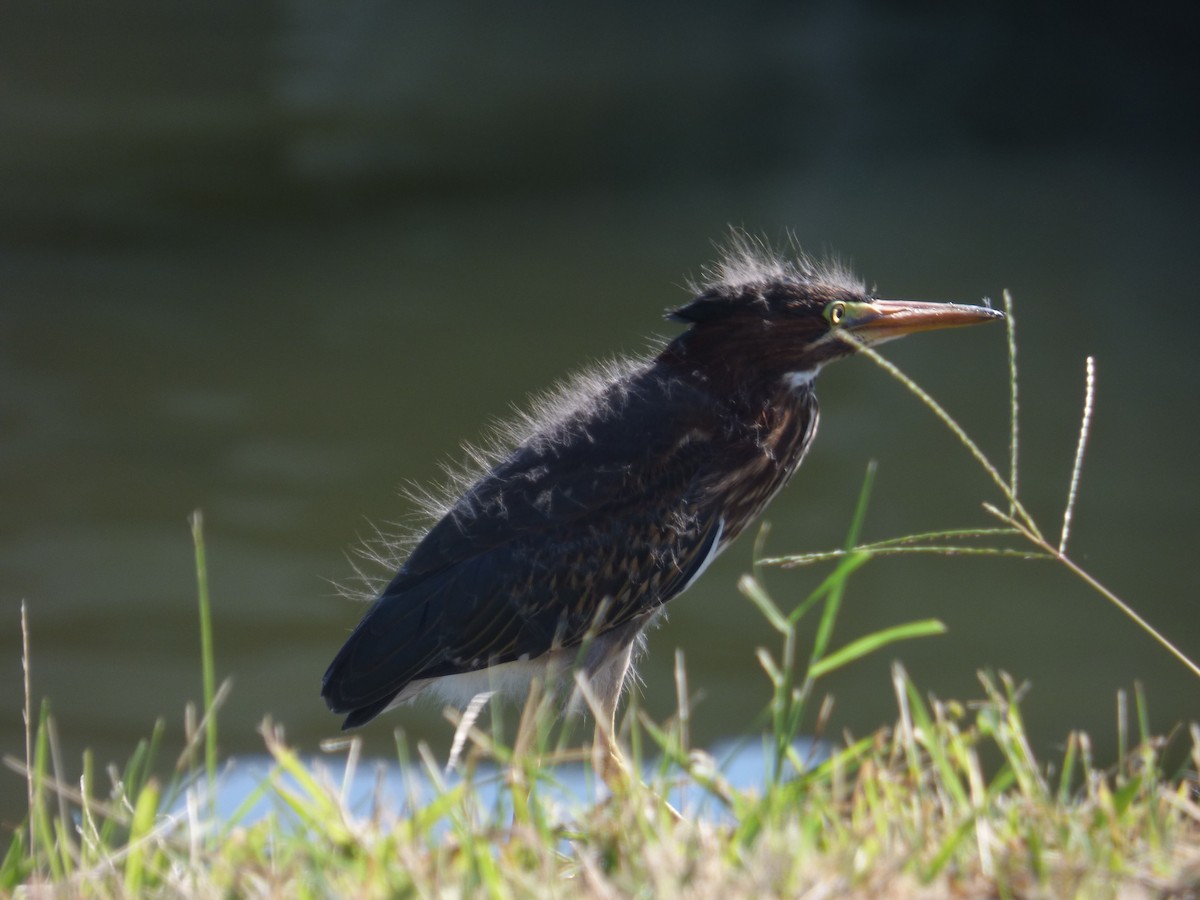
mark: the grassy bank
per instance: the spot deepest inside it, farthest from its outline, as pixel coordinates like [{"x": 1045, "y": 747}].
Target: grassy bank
[{"x": 948, "y": 799}]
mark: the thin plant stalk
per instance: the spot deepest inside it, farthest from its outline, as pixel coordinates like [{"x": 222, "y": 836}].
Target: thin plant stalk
[
  {"x": 28, "y": 713},
  {"x": 208, "y": 672},
  {"x": 1014, "y": 442},
  {"x": 951, "y": 423},
  {"x": 1019, "y": 518}
]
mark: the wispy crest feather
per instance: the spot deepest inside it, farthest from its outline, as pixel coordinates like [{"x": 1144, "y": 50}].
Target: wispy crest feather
[{"x": 748, "y": 263}]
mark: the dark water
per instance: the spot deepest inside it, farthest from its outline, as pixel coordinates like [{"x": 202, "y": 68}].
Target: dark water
[{"x": 206, "y": 306}]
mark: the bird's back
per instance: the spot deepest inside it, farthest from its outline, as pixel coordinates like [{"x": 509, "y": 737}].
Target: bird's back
[{"x": 601, "y": 511}]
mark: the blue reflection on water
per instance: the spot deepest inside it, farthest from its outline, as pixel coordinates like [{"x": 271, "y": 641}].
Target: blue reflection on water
[{"x": 250, "y": 787}]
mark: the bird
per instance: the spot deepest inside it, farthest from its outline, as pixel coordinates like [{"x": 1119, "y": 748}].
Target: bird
[{"x": 617, "y": 493}]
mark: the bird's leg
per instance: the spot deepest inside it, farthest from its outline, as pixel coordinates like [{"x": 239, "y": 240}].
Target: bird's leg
[
  {"x": 609, "y": 763},
  {"x": 607, "y": 759},
  {"x": 602, "y": 693},
  {"x": 601, "y": 690},
  {"x": 600, "y": 684}
]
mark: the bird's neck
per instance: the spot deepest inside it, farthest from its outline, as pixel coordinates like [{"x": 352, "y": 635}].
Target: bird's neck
[
  {"x": 782, "y": 420},
  {"x": 764, "y": 425},
  {"x": 746, "y": 390}
]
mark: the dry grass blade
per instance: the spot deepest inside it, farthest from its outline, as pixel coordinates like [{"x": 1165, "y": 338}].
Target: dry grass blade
[
  {"x": 1084, "y": 428},
  {"x": 1014, "y": 442},
  {"x": 465, "y": 723}
]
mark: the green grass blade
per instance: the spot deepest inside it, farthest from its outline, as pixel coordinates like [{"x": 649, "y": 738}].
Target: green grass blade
[
  {"x": 17, "y": 864},
  {"x": 759, "y": 597},
  {"x": 837, "y": 585},
  {"x": 144, "y": 813},
  {"x": 833, "y": 604},
  {"x": 208, "y": 670},
  {"x": 926, "y": 733},
  {"x": 1067, "y": 776},
  {"x": 847, "y": 565},
  {"x": 860, "y": 508},
  {"x": 870, "y": 643}
]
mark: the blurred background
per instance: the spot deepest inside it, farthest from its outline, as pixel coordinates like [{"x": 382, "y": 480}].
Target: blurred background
[{"x": 276, "y": 260}]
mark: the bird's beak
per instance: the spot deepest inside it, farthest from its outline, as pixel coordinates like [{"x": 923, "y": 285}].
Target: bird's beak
[{"x": 882, "y": 320}]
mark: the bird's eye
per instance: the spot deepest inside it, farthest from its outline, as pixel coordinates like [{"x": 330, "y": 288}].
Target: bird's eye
[{"x": 835, "y": 312}]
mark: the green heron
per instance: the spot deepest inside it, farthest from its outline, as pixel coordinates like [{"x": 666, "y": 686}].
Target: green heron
[{"x": 618, "y": 494}]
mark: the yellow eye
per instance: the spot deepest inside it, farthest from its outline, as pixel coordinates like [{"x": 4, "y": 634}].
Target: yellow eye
[{"x": 835, "y": 312}]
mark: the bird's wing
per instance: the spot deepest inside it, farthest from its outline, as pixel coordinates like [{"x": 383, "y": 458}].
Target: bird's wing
[
  {"x": 515, "y": 601},
  {"x": 637, "y": 435},
  {"x": 557, "y": 541}
]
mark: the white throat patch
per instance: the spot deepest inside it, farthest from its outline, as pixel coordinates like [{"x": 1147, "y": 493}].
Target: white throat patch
[{"x": 799, "y": 381}]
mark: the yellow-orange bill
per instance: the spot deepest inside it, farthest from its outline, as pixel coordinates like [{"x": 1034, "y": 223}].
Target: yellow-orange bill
[{"x": 882, "y": 320}]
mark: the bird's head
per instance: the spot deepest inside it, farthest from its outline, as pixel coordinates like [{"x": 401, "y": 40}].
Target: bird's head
[{"x": 759, "y": 314}]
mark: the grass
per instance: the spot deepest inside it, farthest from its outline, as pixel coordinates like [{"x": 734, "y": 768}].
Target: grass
[{"x": 949, "y": 799}]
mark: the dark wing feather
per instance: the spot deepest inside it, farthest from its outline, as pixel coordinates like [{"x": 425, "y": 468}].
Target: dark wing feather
[
  {"x": 604, "y": 513},
  {"x": 569, "y": 470}
]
